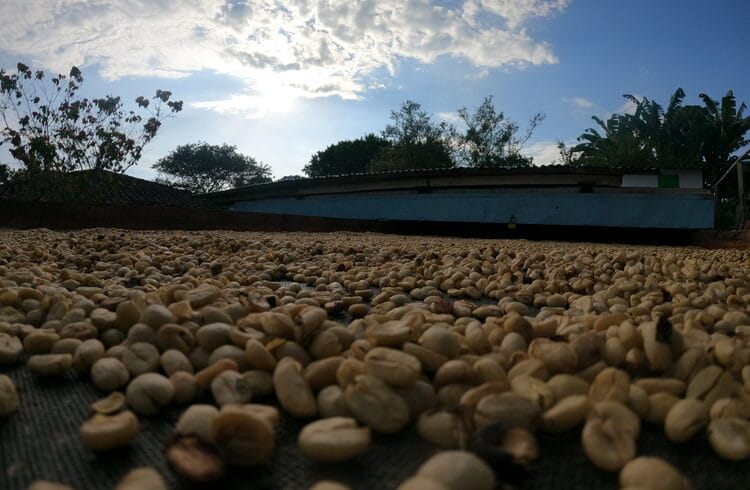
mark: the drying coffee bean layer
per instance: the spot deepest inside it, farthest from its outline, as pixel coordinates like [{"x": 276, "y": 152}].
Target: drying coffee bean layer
[{"x": 481, "y": 345}]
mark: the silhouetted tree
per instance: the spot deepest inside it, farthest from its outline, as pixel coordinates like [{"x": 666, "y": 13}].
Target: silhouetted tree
[
  {"x": 49, "y": 128},
  {"x": 726, "y": 131},
  {"x": 52, "y": 131},
  {"x": 5, "y": 174},
  {"x": 416, "y": 142},
  {"x": 346, "y": 157},
  {"x": 201, "y": 168},
  {"x": 489, "y": 139},
  {"x": 695, "y": 136}
]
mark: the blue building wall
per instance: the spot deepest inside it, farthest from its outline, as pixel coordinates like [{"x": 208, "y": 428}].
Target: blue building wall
[{"x": 537, "y": 207}]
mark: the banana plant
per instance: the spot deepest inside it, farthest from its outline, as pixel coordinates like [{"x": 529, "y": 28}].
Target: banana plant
[
  {"x": 681, "y": 136},
  {"x": 726, "y": 132}
]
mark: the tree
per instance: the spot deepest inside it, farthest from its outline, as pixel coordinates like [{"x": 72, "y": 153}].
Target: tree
[
  {"x": 567, "y": 155},
  {"x": 411, "y": 125},
  {"x": 6, "y": 173},
  {"x": 416, "y": 143},
  {"x": 490, "y": 140},
  {"x": 694, "y": 136},
  {"x": 725, "y": 131},
  {"x": 290, "y": 177},
  {"x": 50, "y": 129},
  {"x": 617, "y": 145},
  {"x": 346, "y": 157},
  {"x": 201, "y": 168},
  {"x": 425, "y": 155}
]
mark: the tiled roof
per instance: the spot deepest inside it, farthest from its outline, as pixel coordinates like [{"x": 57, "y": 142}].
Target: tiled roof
[
  {"x": 124, "y": 189},
  {"x": 109, "y": 188}
]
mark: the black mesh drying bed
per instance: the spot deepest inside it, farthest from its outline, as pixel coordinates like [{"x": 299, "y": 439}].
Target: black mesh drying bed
[{"x": 40, "y": 441}]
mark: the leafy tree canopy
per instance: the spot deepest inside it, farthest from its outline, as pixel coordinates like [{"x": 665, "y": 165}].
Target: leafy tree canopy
[
  {"x": 346, "y": 157},
  {"x": 412, "y": 140},
  {"x": 201, "y": 168},
  {"x": 49, "y": 128},
  {"x": 6, "y": 172},
  {"x": 699, "y": 136},
  {"x": 415, "y": 142},
  {"x": 401, "y": 156},
  {"x": 411, "y": 125},
  {"x": 489, "y": 139}
]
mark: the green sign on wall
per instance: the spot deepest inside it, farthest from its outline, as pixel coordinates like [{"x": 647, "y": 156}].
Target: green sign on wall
[{"x": 669, "y": 181}]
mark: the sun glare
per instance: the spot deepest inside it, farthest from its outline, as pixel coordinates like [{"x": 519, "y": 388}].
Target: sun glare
[{"x": 276, "y": 98}]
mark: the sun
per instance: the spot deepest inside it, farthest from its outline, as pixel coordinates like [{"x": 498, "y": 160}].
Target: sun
[{"x": 275, "y": 97}]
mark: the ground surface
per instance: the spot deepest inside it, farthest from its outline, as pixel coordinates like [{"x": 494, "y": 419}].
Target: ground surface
[{"x": 40, "y": 440}]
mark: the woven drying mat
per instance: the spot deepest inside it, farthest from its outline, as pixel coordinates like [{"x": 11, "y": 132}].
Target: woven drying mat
[{"x": 40, "y": 441}]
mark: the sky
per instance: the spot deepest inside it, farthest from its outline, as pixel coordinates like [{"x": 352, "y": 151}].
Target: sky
[{"x": 282, "y": 80}]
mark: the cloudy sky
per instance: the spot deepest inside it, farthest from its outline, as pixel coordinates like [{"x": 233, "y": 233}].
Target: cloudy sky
[{"x": 284, "y": 79}]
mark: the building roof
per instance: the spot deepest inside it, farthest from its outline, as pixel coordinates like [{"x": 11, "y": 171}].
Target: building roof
[
  {"x": 108, "y": 188},
  {"x": 422, "y": 179}
]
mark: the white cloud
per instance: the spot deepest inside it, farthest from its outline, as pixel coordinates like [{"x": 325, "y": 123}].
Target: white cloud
[
  {"x": 311, "y": 48},
  {"x": 517, "y": 11},
  {"x": 579, "y": 102},
  {"x": 448, "y": 116},
  {"x": 582, "y": 103},
  {"x": 263, "y": 100},
  {"x": 629, "y": 107},
  {"x": 478, "y": 75},
  {"x": 544, "y": 152}
]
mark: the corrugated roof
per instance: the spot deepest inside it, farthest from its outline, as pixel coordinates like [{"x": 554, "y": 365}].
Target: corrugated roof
[{"x": 289, "y": 185}]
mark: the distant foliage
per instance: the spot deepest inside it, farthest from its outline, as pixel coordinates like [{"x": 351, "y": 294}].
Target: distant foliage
[
  {"x": 567, "y": 154},
  {"x": 6, "y": 173},
  {"x": 48, "y": 127},
  {"x": 290, "y": 177},
  {"x": 415, "y": 142},
  {"x": 429, "y": 154},
  {"x": 489, "y": 139},
  {"x": 346, "y": 157},
  {"x": 412, "y": 140},
  {"x": 201, "y": 168},
  {"x": 694, "y": 136}
]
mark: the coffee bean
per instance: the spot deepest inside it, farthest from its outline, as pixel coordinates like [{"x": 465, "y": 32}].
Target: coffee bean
[
  {"x": 610, "y": 384},
  {"x": 685, "y": 419},
  {"x": 8, "y": 396},
  {"x": 102, "y": 432},
  {"x": 292, "y": 389},
  {"x": 108, "y": 374},
  {"x": 510, "y": 409},
  {"x": 230, "y": 387},
  {"x": 333, "y": 439},
  {"x": 50, "y": 364},
  {"x": 565, "y": 414},
  {"x": 110, "y": 404},
  {"x": 607, "y": 446},
  {"x": 376, "y": 405},
  {"x": 730, "y": 438},
  {"x": 142, "y": 479},
  {"x": 458, "y": 470},
  {"x": 243, "y": 438},
  {"x": 198, "y": 420},
  {"x": 331, "y": 402},
  {"x": 11, "y": 348},
  {"x": 393, "y": 366},
  {"x": 194, "y": 460},
  {"x": 652, "y": 473},
  {"x": 443, "y": 429},
  {"x": 149, "y": 392}
]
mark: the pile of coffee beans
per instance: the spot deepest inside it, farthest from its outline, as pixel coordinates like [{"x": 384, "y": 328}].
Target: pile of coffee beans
[{"x": 479, "y": 344}]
